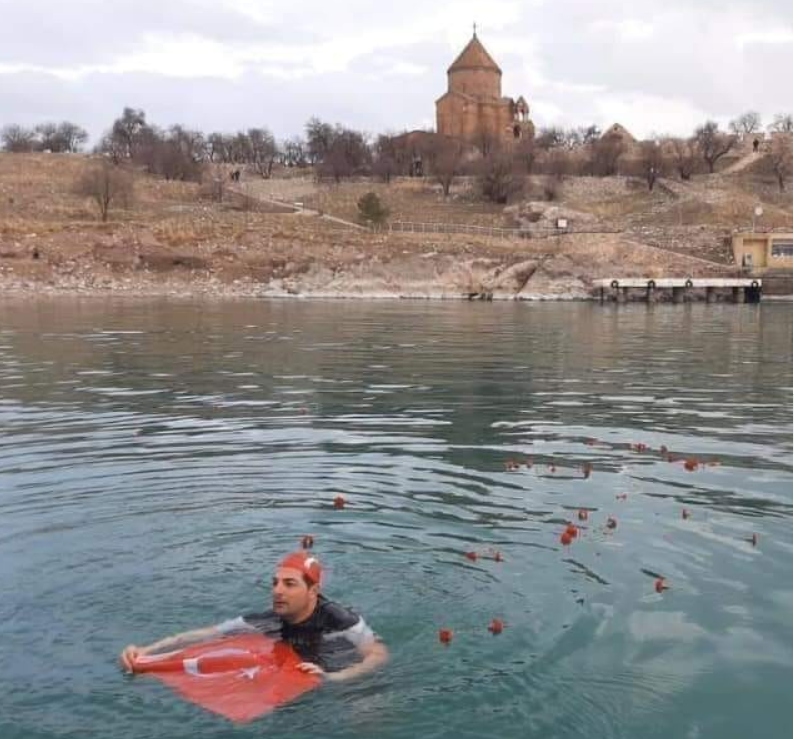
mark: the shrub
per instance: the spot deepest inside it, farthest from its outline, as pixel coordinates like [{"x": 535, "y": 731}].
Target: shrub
[
  {"x": 106, "y": 184},
  {"x": 371, "y": 210}
]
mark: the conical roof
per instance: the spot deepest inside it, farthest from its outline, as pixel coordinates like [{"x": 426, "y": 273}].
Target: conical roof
[{"x": 474, "y": 56}]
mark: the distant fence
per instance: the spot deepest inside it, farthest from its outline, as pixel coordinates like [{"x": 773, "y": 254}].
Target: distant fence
[{"x": 535, "y": 232}]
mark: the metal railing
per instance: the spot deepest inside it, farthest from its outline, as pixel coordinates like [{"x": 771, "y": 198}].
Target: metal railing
[{"x": 534, "y": 232}]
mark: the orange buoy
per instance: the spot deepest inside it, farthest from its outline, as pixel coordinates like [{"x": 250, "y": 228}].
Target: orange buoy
[
  {"x": 445, "y": 635},
  {"x": 583, "y": 514},
  {"x": 498, "y": 557},
  {"x": 572, "y": 531},
  {"x": 685, "y": 514},
  {"x": 339, "y": 502},
  {"x": 660, "y": 585},
  {"x": 472, "y": 556},
  {"x": 565, "y": 538},
  {"x": 691, "y": 464},
  {"x": 612, "y": 523},
  {"x": 497, "y": 626},
  {"x": 307, "y": 542}
]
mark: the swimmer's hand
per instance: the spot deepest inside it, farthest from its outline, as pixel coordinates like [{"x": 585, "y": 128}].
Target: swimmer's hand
[
  {"x": 312, "y": 669},
  {"x": 130, "y": 654}
]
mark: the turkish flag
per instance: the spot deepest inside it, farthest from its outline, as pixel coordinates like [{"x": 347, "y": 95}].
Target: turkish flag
[{"x": 239, "y": 677}]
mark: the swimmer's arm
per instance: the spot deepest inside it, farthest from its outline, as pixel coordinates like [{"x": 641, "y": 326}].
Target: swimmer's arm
[
  {"x": 374, "y": 655},
  {"x": 177, "y": 640}
]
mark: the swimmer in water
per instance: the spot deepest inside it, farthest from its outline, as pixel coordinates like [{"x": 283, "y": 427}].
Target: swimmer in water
[{"x": 335, "y": 643}]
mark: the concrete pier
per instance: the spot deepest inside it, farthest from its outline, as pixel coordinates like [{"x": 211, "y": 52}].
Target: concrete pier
[{"x": 680, "y": 289}]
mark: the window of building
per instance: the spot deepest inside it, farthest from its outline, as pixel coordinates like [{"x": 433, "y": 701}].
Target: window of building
[{"x": 781, "y": 249}]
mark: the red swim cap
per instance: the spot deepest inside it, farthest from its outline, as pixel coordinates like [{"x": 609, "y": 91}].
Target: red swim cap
[{"x": 307, "y": 564}]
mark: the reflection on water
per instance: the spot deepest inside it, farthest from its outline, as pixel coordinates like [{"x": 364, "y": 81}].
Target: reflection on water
[{"x": 158, "y": 456}]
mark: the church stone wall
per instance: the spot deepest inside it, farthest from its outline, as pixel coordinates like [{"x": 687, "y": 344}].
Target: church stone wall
[{"x": 479, "y": 83}]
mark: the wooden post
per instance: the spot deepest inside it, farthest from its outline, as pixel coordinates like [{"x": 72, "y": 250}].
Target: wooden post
[
  {"x": 738, "y": 295},
  {"x": 711, "y": 294},
  {"x": 678, "y": 294},
  {"x": 650, "y": 294}
]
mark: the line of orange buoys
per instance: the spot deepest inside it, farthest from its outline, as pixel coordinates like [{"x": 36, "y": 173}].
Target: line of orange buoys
[{"x": 571, "y": 531}]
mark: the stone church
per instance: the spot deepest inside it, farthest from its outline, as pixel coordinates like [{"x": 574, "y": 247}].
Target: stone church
[{"x": 473, "y": 109}]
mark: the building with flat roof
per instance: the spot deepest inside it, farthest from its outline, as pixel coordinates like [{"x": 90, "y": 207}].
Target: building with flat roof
[{"x": 759, "y": 252}]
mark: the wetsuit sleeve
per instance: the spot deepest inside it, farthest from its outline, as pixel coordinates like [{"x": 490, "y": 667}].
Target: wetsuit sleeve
[
  {"x": 359, "y": 634},
  {"x": 344, "y": 624},
  {"x": 237, "y": 625}
]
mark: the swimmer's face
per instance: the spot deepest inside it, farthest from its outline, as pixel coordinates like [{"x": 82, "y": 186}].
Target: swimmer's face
[{"x": 293, "y": 598}]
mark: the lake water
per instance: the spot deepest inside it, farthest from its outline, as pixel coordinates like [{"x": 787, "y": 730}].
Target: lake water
[{"x": 158, "y": 457}]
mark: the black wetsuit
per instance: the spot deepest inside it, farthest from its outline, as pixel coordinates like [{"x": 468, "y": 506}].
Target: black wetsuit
[{"x": 331, "y": 637}]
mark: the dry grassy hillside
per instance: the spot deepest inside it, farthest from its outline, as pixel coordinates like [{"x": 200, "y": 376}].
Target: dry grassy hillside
[{"x": 174, "y": 234}]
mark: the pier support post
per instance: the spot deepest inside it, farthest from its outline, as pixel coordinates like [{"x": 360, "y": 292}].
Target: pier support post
[
  {"x": 711, "y": 295},
  {"x": 650, "y": 294},
  {"x": 623, "y": 295},
  {"x": 678, "y": 294},
  {"x": 738, "y": 295}
]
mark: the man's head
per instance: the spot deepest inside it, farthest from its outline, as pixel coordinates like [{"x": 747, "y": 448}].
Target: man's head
[{"x": 296, "y": 586}]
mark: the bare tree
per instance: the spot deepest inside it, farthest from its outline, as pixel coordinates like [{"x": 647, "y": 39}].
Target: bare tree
[
  {"x": 72, "y": 136},
  {"x": 319, "y": 137},
  {"x": 779, "y": 157},
  {"x": 605, "y": 154},
  {"x": 263, "y": 151},
  {"x": 385, "y": 164},
  {"x": 348, "y": 154},
  {"x": 446, "y": 159},
  {"x": 685, "y": 155},
  {"x": 651, "y": 162},
  {"x": 781, "y": 124},
  {"x": 217, "y": 147},
  {"x": 106, "y": 185},
  {"x": 525, "y": 153},
  {"x": 550, "y": 138},
  {"x": 487, "y": 142},
  {"x": 498, "y": 181},
  {"x": 127, "y": 130},
  {"x": 589, "y": 134},
  {"x": 712, "y": 143},
  {"x": 746, "y": 124},
  {"x": 558, "y": 162},
  {"x": 60, "y": 137},
  {"x": 293, "y": 152},
  {"x": 17, "y": 139}
]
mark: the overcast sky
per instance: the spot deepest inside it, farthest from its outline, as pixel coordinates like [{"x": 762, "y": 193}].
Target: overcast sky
[{"x": 656, "y": 67}]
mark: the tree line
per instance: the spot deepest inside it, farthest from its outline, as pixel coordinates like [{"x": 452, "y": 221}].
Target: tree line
[{"x": 336, "y": 152}]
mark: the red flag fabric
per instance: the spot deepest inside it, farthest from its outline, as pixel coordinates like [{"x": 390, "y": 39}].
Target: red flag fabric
[{"x": 239, "y": 677}]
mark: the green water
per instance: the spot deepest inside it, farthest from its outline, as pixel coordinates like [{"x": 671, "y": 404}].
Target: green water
[{"x": 157, "y": 457}]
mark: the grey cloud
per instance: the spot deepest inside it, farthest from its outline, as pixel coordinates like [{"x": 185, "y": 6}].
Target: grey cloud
[
  {"x": 688, "y": 58},
  {"x": 43, "y": 32}
]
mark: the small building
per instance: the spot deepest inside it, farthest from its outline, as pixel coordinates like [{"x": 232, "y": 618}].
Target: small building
[{"x": 761, "y": 251}]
